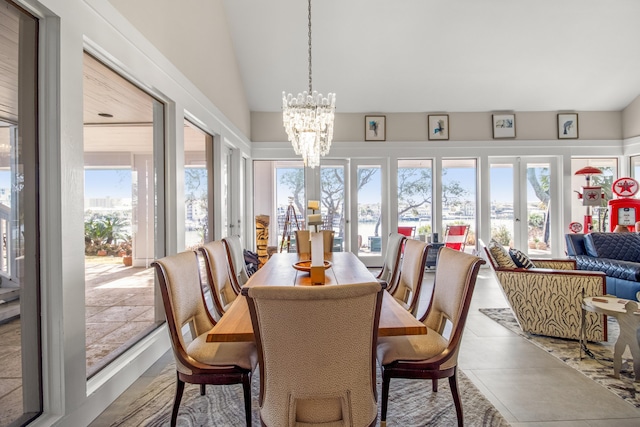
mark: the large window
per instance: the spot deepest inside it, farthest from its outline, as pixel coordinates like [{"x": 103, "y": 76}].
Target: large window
[
  {"x": 279, "y": 199},
  {"x": 459, "y": 184},
  {"x": 369, "y": 209},
  {"x": 415, "y": 196},
  {"x": 196, "y": 182},
  {"x": 20, "y": 369},
  {"x": 123, "y": 125},
  {"x": 332, "y": 203}
]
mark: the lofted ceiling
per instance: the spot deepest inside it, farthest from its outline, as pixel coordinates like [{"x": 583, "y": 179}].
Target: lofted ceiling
[{"x": 441, "y": 55}]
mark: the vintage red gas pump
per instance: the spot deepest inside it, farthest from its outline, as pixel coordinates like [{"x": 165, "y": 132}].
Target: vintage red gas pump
[
  {"x": 591, "y": 196},
  {"x": 625, "y": 210}
]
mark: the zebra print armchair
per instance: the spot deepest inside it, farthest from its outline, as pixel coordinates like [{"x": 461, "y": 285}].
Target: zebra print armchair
[{"x": 547, "y": 297}]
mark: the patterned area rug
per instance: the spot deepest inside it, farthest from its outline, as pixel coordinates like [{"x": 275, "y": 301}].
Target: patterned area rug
[
  {"x": 411, "y": 403},
  {"x": 599, "y": 368}
]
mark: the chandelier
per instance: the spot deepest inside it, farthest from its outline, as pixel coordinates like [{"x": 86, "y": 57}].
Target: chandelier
[{"x": 308, "y": 119}]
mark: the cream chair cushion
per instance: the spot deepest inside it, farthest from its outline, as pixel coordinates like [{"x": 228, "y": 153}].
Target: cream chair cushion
[{"x": 240, "y": 354}]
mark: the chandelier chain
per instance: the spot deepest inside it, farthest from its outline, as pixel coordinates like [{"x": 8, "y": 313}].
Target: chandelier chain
[{"x": 310, "y": 81}]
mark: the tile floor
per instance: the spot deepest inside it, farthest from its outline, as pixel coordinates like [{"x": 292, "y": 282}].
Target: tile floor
[
  {"x": 527, "y": 385},
  {"x": 119, "y": 308}
]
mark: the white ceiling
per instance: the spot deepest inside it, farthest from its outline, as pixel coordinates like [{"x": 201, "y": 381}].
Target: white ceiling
[{"x": 442, "y": 55}]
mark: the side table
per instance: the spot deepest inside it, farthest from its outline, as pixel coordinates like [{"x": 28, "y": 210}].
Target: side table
[{"x": 628, "y": 316}]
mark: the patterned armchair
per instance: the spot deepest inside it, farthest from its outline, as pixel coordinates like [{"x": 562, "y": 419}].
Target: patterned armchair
[{"x": 546, "y": 297}]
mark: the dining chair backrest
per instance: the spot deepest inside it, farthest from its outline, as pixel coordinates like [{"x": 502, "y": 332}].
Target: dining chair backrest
[
  {"x": 183, "y": 300},
  {"x": 303, "y": 244},
  {"x": 237, "y": 266},
  {"x": 316, "y": 352},
  {"x": 392, "y": 258},
  {"x": 218, "y": 276},
  {"x": 434, "y": 356},
  {"x": 199, "y": 362},
  {"x": 414, "y": 260},
  {"x": 455, "y": 236},
  {"x": 454, "y": 282}
]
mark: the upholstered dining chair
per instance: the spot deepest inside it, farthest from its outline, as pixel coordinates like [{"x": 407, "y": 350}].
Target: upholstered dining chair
[
  {"x": 316, "y": 352},
  {"x": 199, "y": 362},
  {"x": 409, "y": 283},
  {"x": 237, "y": 266},
  {"x": 303, "y": 245},
  {"x": 391, "y": 267},
  {"x": 218, "y": 276},
  {"x": 434, "y": 355}
]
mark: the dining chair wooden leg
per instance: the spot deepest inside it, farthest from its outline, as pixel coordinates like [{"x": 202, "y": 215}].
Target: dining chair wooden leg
[
  {"x": 434, "y": 385},
  {"x": 176, "y": 401},
  {"x": 246, "y": 387},
  {"x": 203, "y": 389},
  {"x": 453, "y": 385},
  {"x": 386, "y": 380}
]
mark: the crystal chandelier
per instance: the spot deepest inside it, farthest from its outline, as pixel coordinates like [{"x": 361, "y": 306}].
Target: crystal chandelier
[{"x": 308, "y": 119}]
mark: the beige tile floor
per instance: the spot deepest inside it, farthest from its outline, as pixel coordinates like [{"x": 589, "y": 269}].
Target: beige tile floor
[
  {"x": 119, "y": 309},
  {"x": 527, "y": 385}
]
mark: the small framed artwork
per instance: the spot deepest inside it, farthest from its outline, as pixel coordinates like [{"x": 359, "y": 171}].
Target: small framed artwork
[
  {"x": 504, "y": 125},
  {"x": 375, "y": 128},
  {"x": 567, "y": 126},
  {"x": 438, "y": 126}
]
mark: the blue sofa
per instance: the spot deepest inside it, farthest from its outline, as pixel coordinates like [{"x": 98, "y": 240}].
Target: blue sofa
[{"x": 615, "y": 254}]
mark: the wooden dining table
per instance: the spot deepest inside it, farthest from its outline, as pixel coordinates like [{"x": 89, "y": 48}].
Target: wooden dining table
[{"x": 345, "y": 268}]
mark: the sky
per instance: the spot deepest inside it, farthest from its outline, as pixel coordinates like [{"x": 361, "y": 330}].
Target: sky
[{"x": 114, "y": 183}]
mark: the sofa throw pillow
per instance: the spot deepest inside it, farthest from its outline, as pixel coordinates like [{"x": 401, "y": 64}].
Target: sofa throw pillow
[
  {"x": 500, "y": 255},
  {"x": 521, "y": 259}
]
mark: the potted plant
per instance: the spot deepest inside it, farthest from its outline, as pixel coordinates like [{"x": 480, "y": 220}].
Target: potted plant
[{"x": 125, "y": 252}]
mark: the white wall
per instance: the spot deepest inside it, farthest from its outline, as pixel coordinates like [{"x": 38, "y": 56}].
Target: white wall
[
  {"x": 631, "y": 119},
  {"x": 194, "y": 35},
  {"x": 593, "y": 125}
]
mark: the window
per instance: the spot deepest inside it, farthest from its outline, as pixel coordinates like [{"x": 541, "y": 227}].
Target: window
[
  {"x": 415, "y": 192},
  {"x": 196, "y": 182},
  {"x": 120, "y": 213},
  {"x": 459, "y": 183},
  {"x": 279, "y": 193},
  {"x": 20, "y": 369}
]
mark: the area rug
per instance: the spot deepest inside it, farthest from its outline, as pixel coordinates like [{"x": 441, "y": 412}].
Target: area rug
[
  {"x": 411, "y": 403},
  {"x": 598, "y": 367}
]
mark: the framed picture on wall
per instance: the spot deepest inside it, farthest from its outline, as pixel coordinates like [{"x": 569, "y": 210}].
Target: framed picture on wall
[
  {"x": 504, "y": 125},
  {"x": 375, "y": 128},
  {"x": 567, "y": 126},
  {"x": 438, "y": 126}
]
